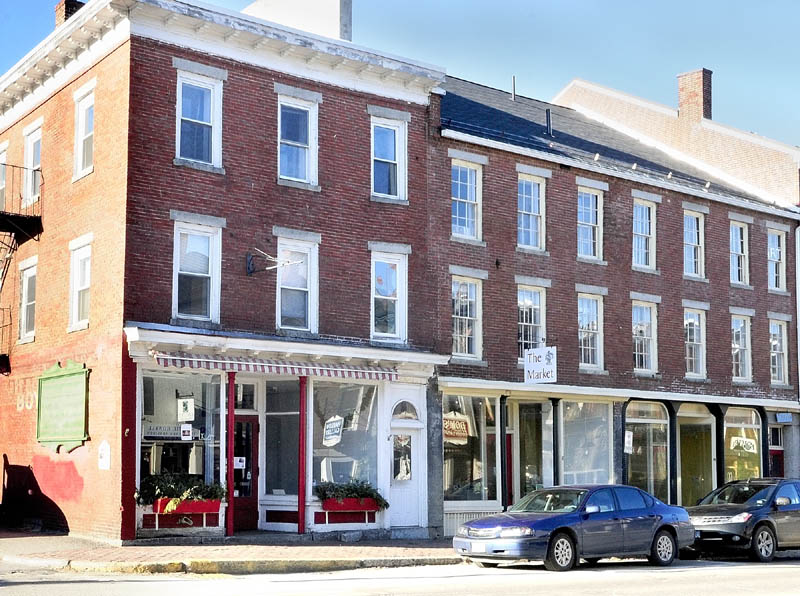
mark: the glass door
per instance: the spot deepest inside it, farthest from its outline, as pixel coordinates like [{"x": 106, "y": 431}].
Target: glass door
[
  {"x": 696, "y": 460},
  {"x": 245, "y": 472}
]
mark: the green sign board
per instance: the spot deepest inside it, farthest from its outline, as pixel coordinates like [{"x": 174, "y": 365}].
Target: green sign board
[{"x": 63, "y": 393}]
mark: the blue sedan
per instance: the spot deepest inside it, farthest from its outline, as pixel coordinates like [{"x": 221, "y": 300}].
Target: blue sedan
[{"x": 559, "y": 525}]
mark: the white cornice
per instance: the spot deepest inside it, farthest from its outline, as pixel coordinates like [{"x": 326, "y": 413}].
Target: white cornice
[
  {"x": 594, "y": 167},
  {"x": 650, "y": 105}
]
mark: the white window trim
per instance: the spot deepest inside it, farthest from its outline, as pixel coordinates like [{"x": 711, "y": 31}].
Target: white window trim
[
  {"x": 781, "y": 264},
  {"x": 215, "y": 85},
  {"x": 401, "y": 314},
  {"x": 312, "y": 250},
  {"x": 749, "y": 377},
  {"x": 746, "y": 254},
  {"x": 703, "y": 368},
  {"x": 542, "y": 182},
  {"x": 653, "y": 307},
  {"x": 701, "y": 225},
  {"x": 31, "y": 136},
  {"x": 478, "y": 355},
  {"x": 600, "y": 335},
  {"x": 599, "y": 194},
  {"x": 3, "y": 170},
  {"x": 215, "y": 259},
  {"x": 478, "y": 197},
  {"x": 84, "y": 98},
  {"x": 542, "y": 311},
  {"x": 651, "y": 206},
  {"x": 312, "y": 157},
  {"x": 27, "y": 269},
  {"x": 401, "y": 149},
  {"x": 76, "y": 254},
  {"x": 785, "y": 354}
]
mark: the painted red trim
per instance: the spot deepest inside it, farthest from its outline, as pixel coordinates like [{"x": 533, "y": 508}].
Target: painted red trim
[
  {"x": 230, "y": 396},
  {"x": 129, "y": 447},
  {"x": 350, "y": 504},
  {"x": 207, "y": 506},
  {"x": 301, "y": 472}
]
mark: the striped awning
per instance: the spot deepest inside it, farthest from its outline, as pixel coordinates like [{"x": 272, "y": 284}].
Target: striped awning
[{"x": 272, "y": 367}]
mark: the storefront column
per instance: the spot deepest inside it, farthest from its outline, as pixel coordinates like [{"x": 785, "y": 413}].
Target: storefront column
[
  {"x": 556, "y": 441},
  {"x": 301, "y": 464},
  {"x": 230, "y": 401},
  {"x": 502, "y": 480},
  {"x": 762, "y": 413},
  {"x": 672, "y": 413},
  {"x": 719, "y": 410}
]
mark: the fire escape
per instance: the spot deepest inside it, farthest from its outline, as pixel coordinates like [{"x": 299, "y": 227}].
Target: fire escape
[{"x": 20, "y": 221}]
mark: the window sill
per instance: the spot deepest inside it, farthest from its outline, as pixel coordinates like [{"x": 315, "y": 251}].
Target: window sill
[
  {"x": 695, "y": 278},
  {"x": 644, "y": 374},
  {"x": 592, "y": 371},
  {"x": 83, "y": 174},
  {"x": 79, "y": 326},
  {"x": 301, "y": 333},
  {"x": 645, "y": 270},
  {"x": 388, "y": 200},
  {"x": 741, "y": 286},
  {"x": 470, "y": 241},
  {"x": 779, "y": 292},
  {"x": 26, "y": 340},
  {"x": 197, "y": 165},
  {"x": 198, "y": 323},
  {"x": 697, "y": 379},
  {"x": 532, "y": 251},
  {"x": 591, "y": 261},
  {"x": 780, "y": 386},
  {"x": 299, "y": 184},
  {"x": 463, "y": 360},
  {"x": 387, "y": 342},
  {"x": 743, "y": 382}
]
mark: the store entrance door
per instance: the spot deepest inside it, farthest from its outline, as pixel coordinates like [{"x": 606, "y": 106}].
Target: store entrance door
[
  {"x": 696, "y": 464},
  {"x": 245, "y": 473},
  {"x": 404, "y": 498}
]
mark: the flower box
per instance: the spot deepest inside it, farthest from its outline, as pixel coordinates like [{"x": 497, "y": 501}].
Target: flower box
[
  {"x": 350, "y": 504},
  {"x": 188, "y": 506}
]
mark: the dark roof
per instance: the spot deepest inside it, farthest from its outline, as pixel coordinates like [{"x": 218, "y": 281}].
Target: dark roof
[{"x": 491, "y": 114}]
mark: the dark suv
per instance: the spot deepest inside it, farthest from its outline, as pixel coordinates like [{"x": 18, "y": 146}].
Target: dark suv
[{"x": 760, "y": 515}]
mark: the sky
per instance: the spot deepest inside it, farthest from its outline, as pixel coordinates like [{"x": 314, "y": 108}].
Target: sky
[{"x": 635, "y": 46}]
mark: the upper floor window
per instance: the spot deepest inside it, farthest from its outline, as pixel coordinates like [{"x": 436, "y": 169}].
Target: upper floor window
[
  {"x": 777, "y": 353},
  {"x": 196, "y": 272},
  {"x": 298, "y": 139},
  {"x": 33, "y": 165},
  {"x": 740, "y": 348},
  {"x": 740, "y": 269},
  {"x": 694, "y": 332},
  {"x": 590, "y": 223},
  {"x": 776, "y": 256},
  {"x": 389, "y": 158},
  {"x": 27, "y": 314},
  {"x": 590, "y": 330},
  {"x": 79, "y": 283},
  {"x": 465, "y": 184},
  {"x": 466, "y": 294},
  {"x": 530, "y": 211},
  {"x": 644, "y": 234},
  {"x": 84, "y": 130},
  {"x": 389, "y": 296},
  {"x": 530, "y": 318},
  {"x": 645, "y": 344},
  {"x": 297, "y": 285},
  {"x": 199, "y": 119},
  {"x": 693, "y": 244}
]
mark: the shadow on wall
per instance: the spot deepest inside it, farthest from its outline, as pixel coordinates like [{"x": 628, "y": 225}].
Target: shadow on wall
[{"x": 23, "y": 503}]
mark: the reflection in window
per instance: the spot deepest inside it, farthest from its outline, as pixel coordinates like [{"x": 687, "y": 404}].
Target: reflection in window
[
  {"x": 405, "y": 411},
  {"x": 647, "y": 465},
  {"x": 586, "y": 443},
  {"x": 282, "y": 430},
  {"x": 401, "y": 459},
  {"x": 469, "y": 449},
  {"x": 742, "y": 444}
]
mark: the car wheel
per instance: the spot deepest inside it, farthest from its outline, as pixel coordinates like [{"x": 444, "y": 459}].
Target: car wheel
[
  {"x": 485, "y": 564},
  {"x": 561, "y": 553},
  {"x": 763, "y": 544},
  {"x": 590, "y": 562},
  {"x": 662, "y": 552}
]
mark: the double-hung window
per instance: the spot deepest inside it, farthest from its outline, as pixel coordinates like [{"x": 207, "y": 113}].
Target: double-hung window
[
  {"x": 776, "y": 258},
  {"x": 466, "y": 294},
  {"x": 740, "y": 268},
  {"x": 33, "y": 162},
  {"x": 196, "y": 272},
  {"x": 590, "y": 223},
  {"x": 693, "y": 244},
  {"x": 297, "y": 287},
  {"x": 590, "y": 331},
  {"x": 644, "y": 234},
  {"x": 27, "y": 307},
  {"x": 389, "y": 296},
  {"x": 645, "y": 337},
  {"x": 740, "y": 348},
  {"x": 777, "y": 353},
  {"x": 389, "y": 148},
  {"x": 298, "y": 140},
  {"x": 465, "y": 190},
  {"x": 80, "y": 281},
  {"x": 3, "y": 159},
  {"x": 199, "y": 119},
  {"x": 84, "y": 130},
  {"x": 530, "y": 318},
  {"x": 530, "y": 211},
  {"x": 694, "y": 333}
]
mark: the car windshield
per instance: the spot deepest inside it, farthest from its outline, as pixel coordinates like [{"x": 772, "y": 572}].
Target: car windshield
[
  {"x": 550, "y": 500},
  {"x": 739, "y": 494}
]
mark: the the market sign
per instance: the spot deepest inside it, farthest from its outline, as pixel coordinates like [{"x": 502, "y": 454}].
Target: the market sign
[
  {"x": 63, "y": 394},
  {"x": 540, "y": 365},
  {"x": 332, "y": 433}
]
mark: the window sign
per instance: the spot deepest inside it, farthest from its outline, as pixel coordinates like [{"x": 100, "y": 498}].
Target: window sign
[
  {"x": 186, "y": 409},
  {"x": 332, "y": 433},
  {"x": 63, "y": 392}
]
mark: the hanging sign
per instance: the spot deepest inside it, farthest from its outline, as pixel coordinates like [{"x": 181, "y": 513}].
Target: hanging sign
[
  {"x": 455, "y": 428},
  {"x": 540, "y": 365},
  {"x": 186, "y": 409},
  {"x": 744, "y": 444},
  {"x": 332, "y": 433},
  {"x": 628, "y": 441}
]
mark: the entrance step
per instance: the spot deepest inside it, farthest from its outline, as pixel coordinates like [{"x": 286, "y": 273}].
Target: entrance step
[{"x": 410, "y": 534}]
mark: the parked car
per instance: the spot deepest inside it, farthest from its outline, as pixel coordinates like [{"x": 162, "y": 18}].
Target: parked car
[
  {"x": 760, "y": 516},
  {"x": 559, "y": 525}
]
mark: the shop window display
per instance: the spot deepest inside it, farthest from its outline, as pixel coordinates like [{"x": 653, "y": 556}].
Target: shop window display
[
  {"x": 469, "y": 449},
  {"x": 587, "y": 440},
  {"x": 647, "y": 465},
  {"x": 742, "y": 444}
]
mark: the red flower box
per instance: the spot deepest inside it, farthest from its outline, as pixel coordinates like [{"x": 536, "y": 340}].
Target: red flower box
[
  {"x": 350, "y": 504},
  {"x": 192, "y": 506}
]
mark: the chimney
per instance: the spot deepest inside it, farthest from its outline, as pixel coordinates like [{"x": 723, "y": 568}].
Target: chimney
[
  {"x": 65, "y": 9},
  {"x": 694, "y": 95},
  {"x": 329, "y": 18}
]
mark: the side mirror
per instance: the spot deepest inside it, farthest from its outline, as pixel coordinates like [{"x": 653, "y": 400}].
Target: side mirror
[
  {"x": 782, "y": 502},
  {"x": 591, "y": 509}
]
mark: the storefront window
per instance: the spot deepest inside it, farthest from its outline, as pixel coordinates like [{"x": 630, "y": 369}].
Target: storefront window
[
  {"x": 742, "y": 444},
  {"x": 587, "y": 440},
  {"x": 345, "y": 433},
  {"x": 469, "y": 449},
  {"x": 531, "y": 473},
  {"x": 180, "y": 426},
  {"x": 647, "y": 465},
  {"x": 282, "y": 437}
]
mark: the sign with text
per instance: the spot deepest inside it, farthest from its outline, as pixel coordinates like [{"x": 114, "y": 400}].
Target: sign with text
[
  {"x": 63, "y": 392},
  {"x": 744, "y": 444},
  {"x": 455, "y": 428},
  {"x": 628, "y": 442},
  {"x": 540, "y": 365},
  {"x": 332, "y": 433}
]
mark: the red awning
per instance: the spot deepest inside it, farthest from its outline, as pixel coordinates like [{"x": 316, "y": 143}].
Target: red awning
[{"x": 273, "y": 367}]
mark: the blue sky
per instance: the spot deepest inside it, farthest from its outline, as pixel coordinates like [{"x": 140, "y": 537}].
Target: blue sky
[{"x": 631, "y": 45}]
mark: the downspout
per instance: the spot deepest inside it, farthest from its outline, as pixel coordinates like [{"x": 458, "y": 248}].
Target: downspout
[
  {"x": 230, "y": 401},
  {"x": 301, "y": 464}
]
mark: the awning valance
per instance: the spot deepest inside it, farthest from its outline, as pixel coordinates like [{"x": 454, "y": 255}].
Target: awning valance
[{"x": 273, "y": 367}]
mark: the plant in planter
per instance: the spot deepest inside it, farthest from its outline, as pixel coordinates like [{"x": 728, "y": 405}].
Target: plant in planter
[
  {"x": 356, "y": 493},
  {"x": 180, "y": 493}
]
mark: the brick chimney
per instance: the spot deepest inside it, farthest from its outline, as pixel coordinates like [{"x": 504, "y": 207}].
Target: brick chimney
[
  {"x": 65, "y": 9},
  {"x": 694, "y": 95}
]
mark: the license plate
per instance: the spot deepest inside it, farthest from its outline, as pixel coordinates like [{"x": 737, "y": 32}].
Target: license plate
[{"x": 478, "y": 547}]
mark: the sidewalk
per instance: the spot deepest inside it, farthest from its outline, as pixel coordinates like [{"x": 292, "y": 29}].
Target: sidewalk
[{"x": 60, "y": 552}]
